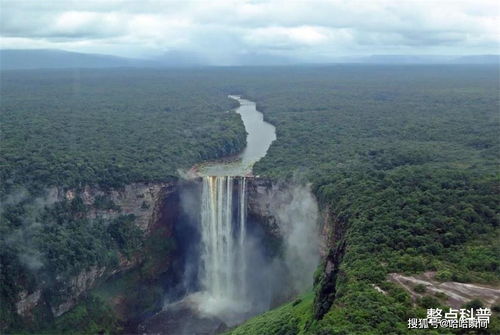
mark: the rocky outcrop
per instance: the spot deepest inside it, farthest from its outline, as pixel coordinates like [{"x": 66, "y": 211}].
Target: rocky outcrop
[
  {"x": 263, "y": 197},
  {"x": 326, "y": 231},
  {"x": 27, "y": 302},
  {"x": 139, "y": 199},
  {"x": 77, "y": 285}
]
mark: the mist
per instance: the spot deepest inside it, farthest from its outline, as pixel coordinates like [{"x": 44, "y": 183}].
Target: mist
[
  {"x": 280, "y": 255},
  {"x": 298, "y": 222},
  {"x": 22, "y": 238}
]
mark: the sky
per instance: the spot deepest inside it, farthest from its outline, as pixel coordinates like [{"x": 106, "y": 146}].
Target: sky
[{"x": 223, "y": 30}]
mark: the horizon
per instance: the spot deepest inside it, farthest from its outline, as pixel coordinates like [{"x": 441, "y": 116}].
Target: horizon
[
  {"x": 338, "y": 57},
  {"x": 225, "y": 32},
  {"x": 12, "y": 59}
]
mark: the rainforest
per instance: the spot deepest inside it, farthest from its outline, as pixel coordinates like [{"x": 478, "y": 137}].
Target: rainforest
[{"x": 311, "y": 199}]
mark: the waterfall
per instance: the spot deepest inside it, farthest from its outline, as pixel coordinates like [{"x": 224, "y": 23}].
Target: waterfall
[{"x": 223, "y": 237}]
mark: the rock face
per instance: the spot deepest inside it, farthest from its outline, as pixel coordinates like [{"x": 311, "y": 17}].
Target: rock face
[
  {"x": 27, "y": 301},
  {"x": 139, "y": 199},
  {"x": 262, "y": 193},
  {"x": 290, "y": 217},
  {"x": 144, "y": 200},
  {"x": 326, "y": 231},
  {"x": 77, "y": 285},
  {"x": 326, "y": 283}
]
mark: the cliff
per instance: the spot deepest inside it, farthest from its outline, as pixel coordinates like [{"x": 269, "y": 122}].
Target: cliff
[
  {"x": 333, "y": 249},
  {"x": 268, "y": 201},
  {"x": 263, "y": 197},
  {"x": 289, "y": 215},
  {"x": 146, "y": 201}
]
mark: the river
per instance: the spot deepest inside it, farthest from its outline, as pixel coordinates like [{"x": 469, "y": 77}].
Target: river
[{"x": 260, "y": 136}]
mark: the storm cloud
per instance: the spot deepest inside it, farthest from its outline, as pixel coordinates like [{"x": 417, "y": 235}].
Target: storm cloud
[{"x": 221, "y": 30}]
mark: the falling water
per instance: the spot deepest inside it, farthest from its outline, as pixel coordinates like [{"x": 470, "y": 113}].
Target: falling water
[
  {"x": 229, "y": 258},
  {"x": 223, "y": 223},
  {"x": 224, "y": 269}
]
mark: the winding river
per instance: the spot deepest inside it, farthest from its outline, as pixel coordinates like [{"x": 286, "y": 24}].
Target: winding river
[{"x": 260, "y": 135}]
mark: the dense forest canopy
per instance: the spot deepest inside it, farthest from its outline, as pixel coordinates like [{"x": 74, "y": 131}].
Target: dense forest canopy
[
  {"x": 113, "y": 126},
  {"x": 406, "y": 158},
  {"x": 110, "y": 127}
]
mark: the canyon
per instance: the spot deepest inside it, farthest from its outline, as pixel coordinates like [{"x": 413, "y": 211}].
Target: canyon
[{"x": 241, "y": 244}]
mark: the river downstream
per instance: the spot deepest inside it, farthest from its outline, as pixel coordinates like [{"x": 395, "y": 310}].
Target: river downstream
[{"x": 260, "y": 136}]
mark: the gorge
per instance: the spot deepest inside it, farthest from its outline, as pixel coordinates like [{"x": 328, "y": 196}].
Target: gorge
[
  {"x": 251, "y": 248},
  {"x": 219, "y": 246}
]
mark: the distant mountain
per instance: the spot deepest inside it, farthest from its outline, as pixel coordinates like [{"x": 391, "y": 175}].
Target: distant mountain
[
  {"x": 34, "y": 59},
  {"x": 421, "y": 59},
  {"x": 478, "y": 59},
  {"x": 176, "y": 58},
  {"x": 407, "y": 59},
  {"x": 58, "y": 59},
  {"x": 256, "y": 59},
  {"x": 51, "y": 59}
]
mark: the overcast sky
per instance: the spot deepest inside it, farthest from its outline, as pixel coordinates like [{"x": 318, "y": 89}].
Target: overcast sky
[{"x": 311, "y": 30}]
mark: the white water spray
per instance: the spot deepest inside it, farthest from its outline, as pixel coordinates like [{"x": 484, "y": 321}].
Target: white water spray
[{"x": 223, "y": 236}]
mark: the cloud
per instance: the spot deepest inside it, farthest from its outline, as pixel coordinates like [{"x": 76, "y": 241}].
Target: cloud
[
  {"x": 279, "y": 37},
  {"x": 224, "y": 28}
]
